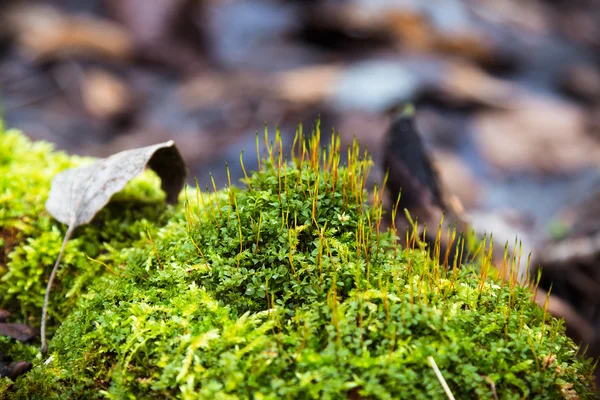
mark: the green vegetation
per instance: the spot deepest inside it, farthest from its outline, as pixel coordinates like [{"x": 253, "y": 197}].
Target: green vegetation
[{"x": 287, "y": 288}]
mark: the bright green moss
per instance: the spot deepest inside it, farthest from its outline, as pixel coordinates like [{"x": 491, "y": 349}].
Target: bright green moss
[{"x": 283, "y": 289}]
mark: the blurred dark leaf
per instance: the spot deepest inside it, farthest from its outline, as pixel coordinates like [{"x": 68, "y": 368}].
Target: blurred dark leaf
[{"x": 20, "y": 332}]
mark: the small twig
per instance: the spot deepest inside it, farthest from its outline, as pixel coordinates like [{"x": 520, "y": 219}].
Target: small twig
[
  {"x": 49, "y": 287},
  {"x": 440, "y": 378},
  {"x": 109, "y": 269},
  {"x": 493, "y": 386}
]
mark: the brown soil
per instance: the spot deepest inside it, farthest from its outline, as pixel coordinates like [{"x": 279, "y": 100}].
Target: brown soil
[{"x": 10, "y": 238}]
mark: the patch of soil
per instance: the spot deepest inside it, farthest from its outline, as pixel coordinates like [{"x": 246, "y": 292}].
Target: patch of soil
[{"x": 9, "y": 238}]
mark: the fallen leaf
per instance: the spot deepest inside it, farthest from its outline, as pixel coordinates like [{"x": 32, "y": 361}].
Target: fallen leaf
[
  {"x": 44, "y": 32},
  {"x": 412, "y": 28},
  {"x": 105, "y": 95},
  {"x": 309, "y": 84},
  {"x": 538, "y": 135},
  {"x": 465, "y": 83},
  {"x": 20, "y": 332},
  {"x": 438, "y": 29},
  {"x": 469, "y": 43},
  {"x": 78, "y": 194}
]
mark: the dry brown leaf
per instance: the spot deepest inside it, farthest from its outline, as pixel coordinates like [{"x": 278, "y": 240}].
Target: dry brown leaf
[
  {"x": 104, "y": 95},
  {"x": 538, "y": 135},
  {"x": 46, "y": 33},
  {"x": 468, "y": 43},
  {"x": 465, "y": 82},
  {"x": 412, "y": 28},
  {"x": 206, "y": 89},
  {"x": 78, "y": 194},
  {"x": 308, "y": 85},
  {"x": 417, "y": 32}
]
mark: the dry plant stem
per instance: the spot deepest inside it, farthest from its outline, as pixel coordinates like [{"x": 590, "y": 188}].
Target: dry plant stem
[
  {"x": 49, "y": 287},
  {"x": 440, "y": 378}
]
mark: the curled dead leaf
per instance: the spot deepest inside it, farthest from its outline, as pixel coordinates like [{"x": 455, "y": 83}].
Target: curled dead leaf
[{"x": 78, "y": 194}]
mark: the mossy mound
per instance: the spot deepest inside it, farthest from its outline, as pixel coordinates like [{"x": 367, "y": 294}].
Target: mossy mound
[{"x": 283, "y": 289}]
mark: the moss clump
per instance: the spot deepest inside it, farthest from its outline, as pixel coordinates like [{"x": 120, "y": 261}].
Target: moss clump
[{"x": 284, "y": 289}]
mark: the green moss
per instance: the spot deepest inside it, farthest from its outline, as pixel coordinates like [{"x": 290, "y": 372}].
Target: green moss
[{"x": 283, "y": 289}]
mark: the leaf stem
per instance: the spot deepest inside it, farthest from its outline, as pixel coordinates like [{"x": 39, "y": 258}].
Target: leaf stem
[{"x": 49, "y": 287}]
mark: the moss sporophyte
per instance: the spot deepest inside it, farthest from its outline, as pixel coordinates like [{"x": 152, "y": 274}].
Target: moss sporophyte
[{"x": 284, "y": 287}]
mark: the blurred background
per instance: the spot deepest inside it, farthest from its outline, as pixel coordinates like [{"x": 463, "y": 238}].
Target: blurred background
[{"x": 507, "y": 93}]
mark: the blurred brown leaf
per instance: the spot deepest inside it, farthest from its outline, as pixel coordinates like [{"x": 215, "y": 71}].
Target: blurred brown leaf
[
  {"x": 105, "y": 96},
  {"x": 417, "y": 31},
  {"x": 466, "y": 83},
  {"x": 20, "y": 332},
  {"x": 214, "y": 88},
  {"x": 538, "y": 135},
  {"x": 44, "y": 32},
  {"x": 308, "y": 85},
  {"x": 411, "y": 28}
]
